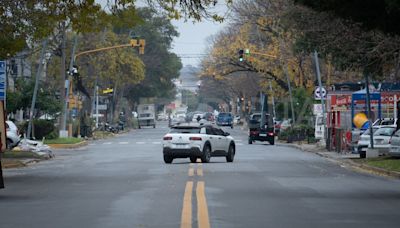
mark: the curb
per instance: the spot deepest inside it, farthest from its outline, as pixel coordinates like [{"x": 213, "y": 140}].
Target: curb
[
  {"x": 68, "y": 146},
  {"x": 19, "y": 163},
  {"x": 351, "y": 164}
]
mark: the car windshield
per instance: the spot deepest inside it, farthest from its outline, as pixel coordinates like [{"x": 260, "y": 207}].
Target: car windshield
[
  {"x": 367, "y": 132},
  {"x": 186, "y": 130},
  {"x": 385, "y": 131},
  {"x": 223, "y": 114}
]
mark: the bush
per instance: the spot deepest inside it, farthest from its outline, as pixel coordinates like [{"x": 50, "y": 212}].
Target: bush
[
  {"x": 297, "y": 133},
  {"x": 41, "y": 128}
]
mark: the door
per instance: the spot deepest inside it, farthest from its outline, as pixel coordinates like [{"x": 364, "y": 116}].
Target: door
[
  {"x": 222, "y": 140},
  {"x": 213, "y": 138},
  {"x": 225, "y": 141}
]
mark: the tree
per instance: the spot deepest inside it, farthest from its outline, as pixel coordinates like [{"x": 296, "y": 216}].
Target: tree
[
  {"x": 351, "y": 40},
  {"x": 161, "y": 64},
  {"x": 385, "y": 13},
  {"x": 21, "y": 98},
  {"x": 24, "y": 23}
]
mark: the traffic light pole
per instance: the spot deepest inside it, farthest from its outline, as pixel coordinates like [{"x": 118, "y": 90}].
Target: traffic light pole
[{"x": 67, "y": 87}]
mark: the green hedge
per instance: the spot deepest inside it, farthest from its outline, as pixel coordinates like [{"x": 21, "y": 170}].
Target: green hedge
[
  {"x": 297, "y": 133},
  {"x": 41, "y": 128}
]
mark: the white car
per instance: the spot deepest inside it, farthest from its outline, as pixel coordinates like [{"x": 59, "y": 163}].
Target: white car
[
  {"x": 364, "y": 140},
  {"x": 394, "y": 149},
  {"x": 382, "y": 138},
  {"x": 196, "y": 116},
  {"x": 12, "y": 135},
  {"x": 198, "y": 141}
]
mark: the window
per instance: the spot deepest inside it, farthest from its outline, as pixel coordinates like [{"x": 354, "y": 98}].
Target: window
[
  {"x": 209, "y": 131},
  {"x": 218, "y": 131},
  {"x": 185, "y": 130},
  {"x": 385, "y": 131}
]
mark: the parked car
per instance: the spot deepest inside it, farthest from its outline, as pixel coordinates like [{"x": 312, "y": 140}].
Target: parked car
[
  {"x": 394, "y": 149},
  {"x": 364, "y": 140},
  {"x": 277, "y": 126},
  {"x": 225, "y": 119},
  {"x": 286, "y": 124},
  {"x": 197, "y": 141},
  {"x": 385, "y": 122},
  {"x": 12, "y": 135},
  {"x": 382, "y": 138}
]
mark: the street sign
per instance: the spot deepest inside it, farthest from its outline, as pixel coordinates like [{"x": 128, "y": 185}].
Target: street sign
[
  {"x": 102, "y": 107},
  {"x": 2, "y": 80},
  {"x": 106, "y": 91},
  {"x": 320, "y": 93}
]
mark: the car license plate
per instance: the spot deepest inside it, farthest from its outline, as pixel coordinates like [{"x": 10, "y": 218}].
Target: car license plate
[
  {"x": 263, "y": 135},
  {"x": 180, "y": 146}
]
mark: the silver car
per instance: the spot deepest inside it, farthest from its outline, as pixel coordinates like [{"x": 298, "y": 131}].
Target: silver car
[
  {"x": 382, "y": 139},
  {"x": 395, "y": 145}
]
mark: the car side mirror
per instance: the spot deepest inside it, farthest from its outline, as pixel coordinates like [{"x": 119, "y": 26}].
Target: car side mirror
[{"x": 227, "y": 134}]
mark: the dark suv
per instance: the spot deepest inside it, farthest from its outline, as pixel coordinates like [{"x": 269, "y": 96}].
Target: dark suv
[{"x": 261, "y": 133}]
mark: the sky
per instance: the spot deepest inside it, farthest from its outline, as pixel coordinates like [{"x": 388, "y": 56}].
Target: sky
[{"x": 192, "y": 42}]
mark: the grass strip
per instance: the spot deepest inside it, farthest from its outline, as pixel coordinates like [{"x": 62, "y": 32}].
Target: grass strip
[{"x": 63, "y": 141}]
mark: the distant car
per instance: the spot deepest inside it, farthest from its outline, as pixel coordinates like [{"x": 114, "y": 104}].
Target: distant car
[
  {"x": 382, "y": 138},
  {"x": 237, "y": 119},
  {"x": 177, "y": 120},
  {"x": 12, "y": 135},
  {"x": 198, "y": 141},
  {"x": 197, "y": 117},
  {"x": 277, "y": 127},
  {"x": 225, "y": 119},
  {"x": 394, "y": 149},
  {"x": 162, "y": 116},
  {"x": 209, "y": 116},
  {"x": 285, "y": 124}
]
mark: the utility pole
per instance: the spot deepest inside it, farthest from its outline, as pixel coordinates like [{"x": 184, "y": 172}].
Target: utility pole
[
  {"x": 320, "y": 89},
  {"x": 38, "y": 73},
  {"x": 273, "y": 99},
  {"x": 97, "y": 105},
  {"x": 262, "y": 100},
  {"x": 67, "y": 86},
  {"x": 368, "y": 100},
  {"x": 63, "y": 77}
]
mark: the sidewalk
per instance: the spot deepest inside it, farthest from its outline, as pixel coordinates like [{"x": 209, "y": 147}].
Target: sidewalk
[{"x": 346, "y": 160}]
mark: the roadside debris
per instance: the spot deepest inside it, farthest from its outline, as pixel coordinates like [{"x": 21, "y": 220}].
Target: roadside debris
[{"x": 37, "y": 147}]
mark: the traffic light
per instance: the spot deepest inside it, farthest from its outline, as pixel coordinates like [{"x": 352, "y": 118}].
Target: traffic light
[
  {"x": 142, "y": 43},
  {"x": 241, "y": 55},
  {"x": 133, "y": 42},
  {"x": 247, "y": 52}
]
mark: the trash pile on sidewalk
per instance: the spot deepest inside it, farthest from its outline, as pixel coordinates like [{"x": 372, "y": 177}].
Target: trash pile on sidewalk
[{"x": 37, "y": 147}]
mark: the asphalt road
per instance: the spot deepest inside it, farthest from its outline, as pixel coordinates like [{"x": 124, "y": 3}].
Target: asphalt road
[{"x": 123, "y": 182}]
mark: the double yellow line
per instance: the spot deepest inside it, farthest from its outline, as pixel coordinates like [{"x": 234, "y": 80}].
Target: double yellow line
[{"x": 203, "y": 220}]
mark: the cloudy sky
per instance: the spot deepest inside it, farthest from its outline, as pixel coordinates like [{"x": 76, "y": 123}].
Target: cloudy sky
[{"x": 192, "y": 42}]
